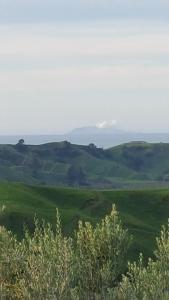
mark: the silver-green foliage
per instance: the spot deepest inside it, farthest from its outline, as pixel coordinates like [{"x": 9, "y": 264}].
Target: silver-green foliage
[
  {"x": 100, "y": 255},
  {"x": 48, "y": 265},
  {"x": 151, "y": 282},
  {"x": 38, "y": 267}
]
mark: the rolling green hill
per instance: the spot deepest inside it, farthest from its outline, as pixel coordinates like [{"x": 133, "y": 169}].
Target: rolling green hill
[
  {"x": 143, "y": 212},
  {"x": 130, "y": 165}
]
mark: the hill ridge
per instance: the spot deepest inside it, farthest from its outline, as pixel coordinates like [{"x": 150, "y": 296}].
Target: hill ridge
[{"x": 135, "y": 164}]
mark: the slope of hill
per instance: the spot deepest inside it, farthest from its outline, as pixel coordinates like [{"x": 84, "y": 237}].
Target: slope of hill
[
  {"x": 143, "y": 212},
  {"x": 130, "y": 165}
]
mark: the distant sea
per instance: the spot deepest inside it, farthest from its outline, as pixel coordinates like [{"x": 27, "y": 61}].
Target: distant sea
[
  {"x": 30, "y": 139},
  {"x": 100, "y": 140}
]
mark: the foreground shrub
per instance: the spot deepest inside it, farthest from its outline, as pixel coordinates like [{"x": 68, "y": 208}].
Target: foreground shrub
[
  {"x": 38, "y": 267},
  {"x": 48, "y": 265},
  {"x": 100, "y": 256},
  {"x": 151, "y": 282}
]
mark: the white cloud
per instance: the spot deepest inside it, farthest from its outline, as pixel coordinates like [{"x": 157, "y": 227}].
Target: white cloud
[
  {"x": 71, "y": 79},
  {"x": 103, "y": 65},
  {"x": 46, "y": 41},
  {"x": 109, "y": 55},
  {"x": 106, "y": 124}
]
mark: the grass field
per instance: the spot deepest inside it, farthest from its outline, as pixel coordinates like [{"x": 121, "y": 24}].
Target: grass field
[{"x": 142, "y": 212}]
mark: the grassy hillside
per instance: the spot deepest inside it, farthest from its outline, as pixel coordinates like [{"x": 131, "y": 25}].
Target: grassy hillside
[
  {"x": 133, "y": 165},
  {"x": 148, "y": 161},
  {"x": 143, "y": 212}
]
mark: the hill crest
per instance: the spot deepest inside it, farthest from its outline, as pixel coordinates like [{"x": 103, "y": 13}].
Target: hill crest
[{"x": 134, "y": 164}]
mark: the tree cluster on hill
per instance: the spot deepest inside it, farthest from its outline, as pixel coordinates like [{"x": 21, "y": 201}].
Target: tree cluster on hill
[{"x": 76, "y": 176}]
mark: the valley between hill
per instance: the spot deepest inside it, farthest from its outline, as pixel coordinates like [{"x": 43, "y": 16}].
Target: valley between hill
[{"x": 142, "y": 212}]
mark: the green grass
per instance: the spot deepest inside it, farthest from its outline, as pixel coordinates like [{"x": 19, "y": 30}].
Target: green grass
[{"x": 142, "y": 212}]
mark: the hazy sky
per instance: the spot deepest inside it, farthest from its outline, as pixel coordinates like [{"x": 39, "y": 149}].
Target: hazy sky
[{"x": 66, "y": 64}]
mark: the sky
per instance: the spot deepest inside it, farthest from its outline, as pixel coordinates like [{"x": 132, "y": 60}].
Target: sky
[{"x": 67, "y": 64}]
